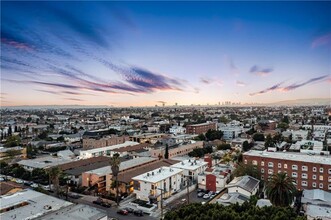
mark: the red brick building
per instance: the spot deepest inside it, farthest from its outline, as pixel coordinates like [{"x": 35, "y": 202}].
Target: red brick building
[
  {"x": 200, "y": 128},
  {"x": 309, "y": 171}
]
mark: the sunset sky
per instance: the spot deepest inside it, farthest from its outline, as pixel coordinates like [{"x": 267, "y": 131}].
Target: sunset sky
[{"x": 145, "y": 53}]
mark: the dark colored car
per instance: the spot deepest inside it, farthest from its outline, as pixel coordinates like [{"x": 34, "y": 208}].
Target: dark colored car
[
  {"x": 98, "y": 202},
  {"x": 130, "y": 210},
  {"x": 123, "y": 212},
  {"x": 138, "y": 212},
  {"x": 201, "y": 194},
  {"x": 200, "y": 190},
  {"x": 105, "y": 204}
]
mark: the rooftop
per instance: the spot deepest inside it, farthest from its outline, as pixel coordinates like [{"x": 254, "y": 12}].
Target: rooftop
[
  {"x": 232, "y": 198},
  {"x": 97, "y": 150},
  {"x": 190, "y": 164},
  {"x": 246, "y": 182},
  {"x": 77, "y": 212},
  {"x": 33, "y": 204},
  {"x": 159, "y": 174},
  {"x": 45, "y": 162},
  {"x": 291, "y": 156},
  {"x": 123, "y": 166}
]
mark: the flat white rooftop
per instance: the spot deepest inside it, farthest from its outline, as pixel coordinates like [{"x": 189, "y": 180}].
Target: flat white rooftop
[
  {"x": 97, "y": 150},
  {"x": 45, "y": 162},
  {"x": 157, "y": 175},
  {"x": 77, "y": 212},
  {"x": 291, "y": 156},
  {"x": 190, "y": 164},
  {"x": 123, "y": 166},
  {"x": 37, "y": 204}
]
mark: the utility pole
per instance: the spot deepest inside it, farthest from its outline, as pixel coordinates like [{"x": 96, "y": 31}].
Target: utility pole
[
  {"x": 161, "y": 202},
  {"x": 188, "y": 190}
]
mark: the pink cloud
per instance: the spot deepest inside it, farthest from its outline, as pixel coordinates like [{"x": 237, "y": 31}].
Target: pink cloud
[{"x": 322, "y": 40}]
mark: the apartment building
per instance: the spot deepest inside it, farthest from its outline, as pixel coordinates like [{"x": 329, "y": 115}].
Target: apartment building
[
  {"x": 104, "y": 151},
  {"x": 191, "y": 168},
  {"x": 200, "y": 128},
  {"x": 91, "y": 143},
  {"x": 165, "y": 180},
  {"x": 309, "y": 171},
  {"x": 214, "y": 178}
]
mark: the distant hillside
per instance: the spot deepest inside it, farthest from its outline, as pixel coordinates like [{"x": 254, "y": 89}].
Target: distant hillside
[{"x": 316, "y": 101}]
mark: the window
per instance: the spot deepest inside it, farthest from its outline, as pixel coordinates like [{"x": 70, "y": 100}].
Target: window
[
  {"x": 294, "y": 167},
  {"x": 329, "y": 179},
  {"x": 270, "y": 164},
  {"x": 279, "y": 165},
  {"x": 262, "y": 163},
  {"x": 321, "y": 178},
  {"x": 329, "y": 171},
  {"x": 314, "y": 177},
  {"x": 321, "y": 170},
  {"x": 262, "y": 170},
  {"x": 254, "y": 162},
  {"x": 329, "y": 187},
  {"x": 314, "y": 169},
  {"x": 270, "y": 171},
  {"x": 304, "y": 183},
  {"x": 321, "y": 185},
  {"x": 245, "y": 161},
  {"x": 304, "y": 168},
  {"x": 294, "y": 174},
  {"x": 262, "y": 177},
  {"x": 285, "y": 166},
  {"x": 314, "y": 185},
  {"x": 304, "y": 176}
]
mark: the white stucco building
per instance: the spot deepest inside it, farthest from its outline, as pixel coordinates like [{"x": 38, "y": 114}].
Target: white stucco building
[{"x": 148, "y": 186}]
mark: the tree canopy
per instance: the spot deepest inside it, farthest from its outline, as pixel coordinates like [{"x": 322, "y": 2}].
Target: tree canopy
[{"x": 247, "y": 211}]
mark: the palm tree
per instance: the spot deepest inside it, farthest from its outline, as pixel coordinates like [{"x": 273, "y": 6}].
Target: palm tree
[
  {"x": 53, "y": 175},
  {"x": 281, "y": 190},
  {"x": 115, "y": 168}
]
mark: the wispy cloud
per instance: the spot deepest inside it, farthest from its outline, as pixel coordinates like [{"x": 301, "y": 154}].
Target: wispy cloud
[
  {"x": 232, "y": 66},
  {"x": 272, "y": 88},
  {"x": 240, "y": 83},
  {"x": 260, "y": 71},
  {"x": 298, "y": 85},
  {"x": 209, "y": 81},
  {"x": 74, "y": 99},
  {"x": 322, "y": 40}
]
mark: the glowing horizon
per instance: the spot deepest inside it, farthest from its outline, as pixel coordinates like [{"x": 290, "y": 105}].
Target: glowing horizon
[{"x": 145, "y": 53}]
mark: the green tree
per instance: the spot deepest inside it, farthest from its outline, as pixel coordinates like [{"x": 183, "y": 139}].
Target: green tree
[
  {"x": 283, "y": 126},
  {"x": 269, "y": 142},
  {"x": 166, "y": 154},
  {"x": 13, "y": 141},
  {"x": 115, "y": 168},
  {"x": 247, "y": 146},
  {"x": 258, "y": 137},
  {"x": 247, "y": 169},
  {"x": 43, "y": 135},
  {"x": 54, "y": 174},
  {"x": 281, "y": 190}
]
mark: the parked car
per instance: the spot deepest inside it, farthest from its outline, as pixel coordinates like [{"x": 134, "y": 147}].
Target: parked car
[
  {"x": 105, "y": 204},
  {"x": 138, "y": 212},
  {"x": 19, "y": 181},
  {"x": 28, "y": 183},
  {"x": 74, "y": 196},
  {"x": 200, "y": 190},
  {"x": 206, "y": 196},
  {"x": 130, "y": 210},
  {"x": 98, "y": 202},
  {"x": 2, "y": 179},
  {"x": 123, "y": 212},
  {"x": 201, "y": 194},
  {"x": 34, "y": 185}
]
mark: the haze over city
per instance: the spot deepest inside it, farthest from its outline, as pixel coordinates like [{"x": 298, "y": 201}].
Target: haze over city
[{"x": 148, "y": 53}]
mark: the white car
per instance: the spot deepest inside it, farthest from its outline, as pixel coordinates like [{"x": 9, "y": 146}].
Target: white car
[
  {"x": 2, "y": 179},
  {"x": 19, "y": 181},
  {"x": 206, "y": 196},
  {"x": 34, "y": 185}
]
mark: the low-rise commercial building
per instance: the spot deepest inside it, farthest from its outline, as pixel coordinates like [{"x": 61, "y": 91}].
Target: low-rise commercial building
[
  {"x": 91, "y": 143},
  {"x": 177, "y": 150}
]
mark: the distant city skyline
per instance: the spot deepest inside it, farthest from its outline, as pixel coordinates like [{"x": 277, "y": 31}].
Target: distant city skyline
[{"x": 162, "y": 53}]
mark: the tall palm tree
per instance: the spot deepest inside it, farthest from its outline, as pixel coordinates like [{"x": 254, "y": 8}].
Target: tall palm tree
[
  {"x": 53, "y": 175},
  {"x": 115, "y": 168},
  {"x": 280, "y": 189}
]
